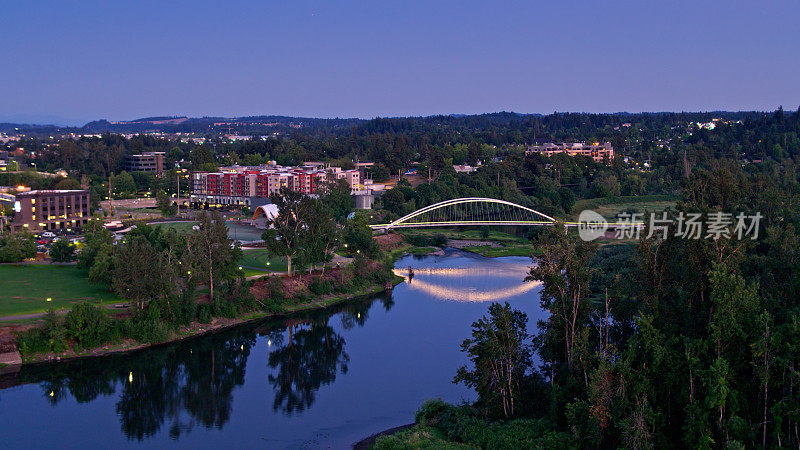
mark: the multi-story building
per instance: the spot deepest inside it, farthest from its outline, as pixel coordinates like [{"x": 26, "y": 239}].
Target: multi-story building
[
  {"x": 250, "y": 185},
  {"x": 146, "y": 162},
  {"x": 598, "y": 152},
  {"x": 51, "y": 210}
]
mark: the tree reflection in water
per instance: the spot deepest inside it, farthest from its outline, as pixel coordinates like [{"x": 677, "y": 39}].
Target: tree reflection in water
[
  {"x": 191, "y": 383},
  {"x": 312, "y": 356},
  {"x": 182, "y": 384}
]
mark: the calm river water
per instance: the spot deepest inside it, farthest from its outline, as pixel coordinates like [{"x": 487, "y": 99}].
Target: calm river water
[{"x": 322, "y": 380}]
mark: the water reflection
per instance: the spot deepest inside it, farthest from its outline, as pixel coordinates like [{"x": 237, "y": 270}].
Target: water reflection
[
  {"x": 452, "y": 283},
  {"x": 322, "y": 379},
  {"x": 184, "y": 385}
]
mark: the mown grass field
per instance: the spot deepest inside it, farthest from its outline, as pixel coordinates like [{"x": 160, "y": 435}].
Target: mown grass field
[
  {"x": 26, "y": 288},
  {"x": 179, "y": 227},
  {"x": 255, "y": 259}
]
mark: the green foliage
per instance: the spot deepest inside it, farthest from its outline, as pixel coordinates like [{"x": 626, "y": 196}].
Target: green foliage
[
  {"x": 50, "y": 337},
  {"x": 337, "y": 199},
  {"x": 379, "y": 172},
  {"x": 501, "y": 356},
  {"x": 139, "y": 271},
  {"x": 453, "y": 425},
  {"x": 320, "y": 287},
  {"x": 96, "y": 255},
  {"x": 62, "y": 251},
  {"x": 358, "y": 236},
  {"x": 210, "y": 255},
  {"x": 204, "y": 313},
  {"x": 164, "y": 204},
  {"x": 146, "y": 326},
  {"x": 16, "y": 247},
  {"x": 123, "y": 185},
  {"x": 88, "y": 326}
]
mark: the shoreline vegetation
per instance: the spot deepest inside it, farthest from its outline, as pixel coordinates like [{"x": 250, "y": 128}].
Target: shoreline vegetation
[
  {"x": 217, "y": 324},
  {"x": 91, "y": 330},
  {"x": 307, "y": 292}
]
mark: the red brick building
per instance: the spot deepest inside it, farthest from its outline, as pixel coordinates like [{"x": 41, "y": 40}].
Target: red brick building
[{"x": 51, "y": 210}]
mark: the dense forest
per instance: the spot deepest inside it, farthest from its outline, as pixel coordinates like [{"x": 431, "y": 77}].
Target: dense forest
[{"x": 667, "y": 342}]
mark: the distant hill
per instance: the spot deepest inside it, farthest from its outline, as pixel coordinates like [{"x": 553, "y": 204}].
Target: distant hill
[{"x": 283, "y": 125}]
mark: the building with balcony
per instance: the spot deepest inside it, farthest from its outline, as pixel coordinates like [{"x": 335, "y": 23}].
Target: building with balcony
[
  {"x": 600, "y": 153},
  {"x": 252, "y": 185}
]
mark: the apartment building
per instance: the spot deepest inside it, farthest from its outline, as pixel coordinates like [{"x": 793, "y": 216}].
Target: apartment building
[
  {"x": 243, "y": 185},
  {"x": 598, "y": 152},
  {"x": 146, "y": 162},
  {"x": 51, "y": 210}
]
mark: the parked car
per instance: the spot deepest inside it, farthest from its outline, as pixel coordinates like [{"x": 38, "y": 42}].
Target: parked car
[{"x": 48, "y": 234}]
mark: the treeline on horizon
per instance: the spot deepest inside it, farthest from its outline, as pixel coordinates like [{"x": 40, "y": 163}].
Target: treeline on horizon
[{"x": 671, "y": 142}]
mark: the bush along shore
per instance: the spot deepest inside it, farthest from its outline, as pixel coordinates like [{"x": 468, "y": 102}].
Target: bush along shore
[{"x": 88, "y": 330}]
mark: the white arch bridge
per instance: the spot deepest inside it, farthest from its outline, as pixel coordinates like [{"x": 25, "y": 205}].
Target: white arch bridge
[{"x": 480, "y": 211}]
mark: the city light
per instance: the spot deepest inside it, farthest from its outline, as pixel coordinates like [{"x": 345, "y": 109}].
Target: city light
[
  {"x": 49, "y": 299},
  {"x": 130, "y": 377}
]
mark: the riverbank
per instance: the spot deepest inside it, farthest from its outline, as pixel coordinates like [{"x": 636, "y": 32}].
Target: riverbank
[{"x": 217, "y": 324}]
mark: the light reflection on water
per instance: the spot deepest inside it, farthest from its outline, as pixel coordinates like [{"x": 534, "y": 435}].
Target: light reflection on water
[{"x": 321, "y": 379}]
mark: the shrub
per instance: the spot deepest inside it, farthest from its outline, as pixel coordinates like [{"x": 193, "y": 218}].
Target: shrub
[
  {"x": 461, "y": 424},
  {"x": 87, "y": 325},
  {"x": 222, "y": 307},
  {"x": 320, "y": 287},
  {"x": 62, "y": 251},
  {"x": 51, "y": 337},
  {"x": 204, "y": 313},
  {"x": 147, "y": 327},
  {"x": 439, "y": 240},
  {"x": 430, "y": 412}
]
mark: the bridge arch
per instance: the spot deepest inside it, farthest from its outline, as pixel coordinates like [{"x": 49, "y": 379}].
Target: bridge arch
[{"x": 470, "y": 211}]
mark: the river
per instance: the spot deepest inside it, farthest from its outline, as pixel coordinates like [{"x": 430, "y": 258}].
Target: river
[{"x": 320, "y": 380}]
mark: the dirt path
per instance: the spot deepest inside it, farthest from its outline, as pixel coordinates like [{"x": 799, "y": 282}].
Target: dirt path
[{"x": 115, "y": 307}]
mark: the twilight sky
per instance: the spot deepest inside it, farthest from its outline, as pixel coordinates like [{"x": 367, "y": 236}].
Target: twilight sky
[{"x": 68, "y": 62}]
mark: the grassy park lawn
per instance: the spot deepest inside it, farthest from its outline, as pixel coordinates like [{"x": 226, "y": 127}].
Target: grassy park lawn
[
  {"x": 179, "y": 227},
  {"x": 255, "y": 259},
  {"x": 25, "y": 289}
]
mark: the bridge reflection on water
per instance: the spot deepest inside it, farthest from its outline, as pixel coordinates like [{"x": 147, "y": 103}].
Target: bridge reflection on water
[{"x": 496, "y": 283}]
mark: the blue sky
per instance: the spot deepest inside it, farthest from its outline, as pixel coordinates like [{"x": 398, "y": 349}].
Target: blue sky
[{"x": 73, "y": 61}]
